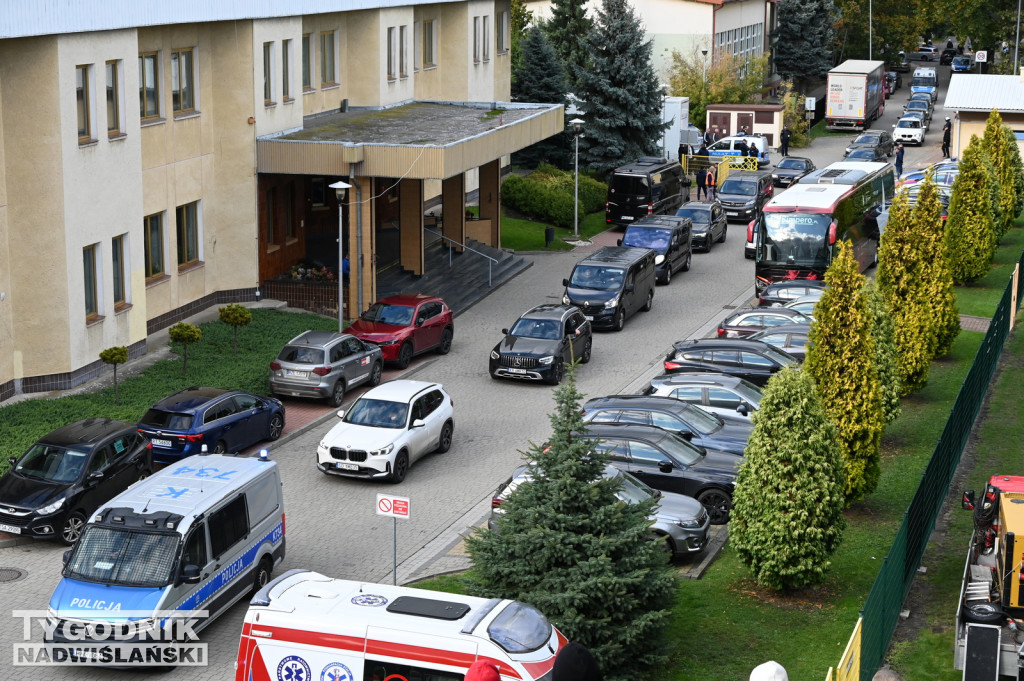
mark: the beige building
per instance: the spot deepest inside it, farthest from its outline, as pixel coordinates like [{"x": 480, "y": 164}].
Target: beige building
[
  {"x": 973, "y": 97},
  {"x": 158, "y": 160}
]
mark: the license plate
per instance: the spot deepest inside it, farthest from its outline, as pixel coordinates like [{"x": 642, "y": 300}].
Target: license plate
[
  {"x": 732, "y": 213},
  {"x": 10, "y": 530},
  {"x": 296, "y": 374},
  {"x": 627, "y": 218},
  {"x": 347, "y": 466},
  {"x": 517, "y": 371},
  {"x": 588, "y": 318},
  {"x": 160, "y": 443}
]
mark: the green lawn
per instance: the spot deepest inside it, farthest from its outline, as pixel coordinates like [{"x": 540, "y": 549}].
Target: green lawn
[{"x": 526, "y": 235}]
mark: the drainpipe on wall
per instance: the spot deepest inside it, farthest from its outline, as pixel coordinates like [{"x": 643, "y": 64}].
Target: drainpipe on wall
[{"x": 359, "y": 238}]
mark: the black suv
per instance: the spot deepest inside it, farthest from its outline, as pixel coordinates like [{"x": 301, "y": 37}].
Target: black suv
[
  {"x": 667, "y": 462},
  {"x": 541, "y": 343},
  {"x": 52, "y": 489},
  {"x": 647, "y": 186},
  {"x": 709, "y": 223},
  {"x": 745, "y": 192},
  {"x": 752, "y": 360}
]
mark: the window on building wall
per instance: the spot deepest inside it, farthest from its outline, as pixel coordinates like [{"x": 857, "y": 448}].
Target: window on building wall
[
  {"x": 268, "y": 73},
  {"x": 113, "y": 99},
  {"x": 271, "y": 201},
  {"x": 289, "y": 213},
  {"x": 417, "y": 51},
  {"x": 501, "y": 33},
  {"x": 183, "y": 82},
  {"x": 286, "y": 80},
  {"x": 485, "y": 37},
  {"x": 391, "y": 52},
  {"x": 403, "y": 61},
  {"x": 153, "y": 230},
  {"x": 327, "y": 76},
  {"x": 476, "y": 40},
  {"x": 149, "y": 85},
  {"x": 187, "y": 219},
  {"x": 117, "y": 261},
  {"x": 307, "y": 64},
  {"x": 92, "y": 301},
  {"x": 428, "y": 43},
  {"x": 82, "y": 103}
]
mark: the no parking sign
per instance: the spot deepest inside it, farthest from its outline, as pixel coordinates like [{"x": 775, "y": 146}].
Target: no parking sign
[{"x": 393, "y": 507}]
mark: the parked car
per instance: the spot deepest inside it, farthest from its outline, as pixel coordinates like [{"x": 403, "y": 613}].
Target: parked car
[
  {"x": 222, "y": 420},
  {"x": 710, "y": 225},
  {"x": 667, "y": 462},
  {"x": 895, "y": 78},
  {"x": 902, "y": 64},
  {"x": 731, "y": 146},
  {"x": 388, "y": 429},
  {"x": 689, "y": 421},
  {"x": 871, "y": 155},
  {"x": 922, "y": 106},
  {"x": 943, "y": 177},
  {"x": 744, "y": 193},
  {"x": 790, "y": 338},
  {"x": 781, "y": 292},
  {"x": 746, "y": 322},
  {"x": 325, "y": 364},
  {"x": 612, "y": 284},
  {"x": 719, "y": 394},
  {"x": 961, "y": 64},
  {"x": 873, "y": 139},
  {"x": 917, "y": 115},
  {"x": 751, "y": 360},
  {"x": 920, "y": 97},
  {"x": 909, "y": 130},
  {"x": 925, "y": 53},
  {"x": 404, "y": 326},
  {"x": 947, "y": 56},
  {"x": 945, "y": 193},
  {"x": 680, "y": 521},
  {"x": 669, "y": 236},
  {"x": 52, "y": 489},
  {"x": 541, "y": 343},
  {"x": 790, "y": 169},
  {"x": 804, "y": 305}
]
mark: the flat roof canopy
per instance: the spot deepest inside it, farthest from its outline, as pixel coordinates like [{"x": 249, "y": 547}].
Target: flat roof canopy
[{"x": 420, "y": 140}]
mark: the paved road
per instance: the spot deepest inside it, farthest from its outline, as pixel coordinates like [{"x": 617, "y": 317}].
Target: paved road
[{"x": 331, "y": 524}]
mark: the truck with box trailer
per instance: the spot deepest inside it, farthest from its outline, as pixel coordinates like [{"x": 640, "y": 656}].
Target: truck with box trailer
[{"x": 855, "y": 96}]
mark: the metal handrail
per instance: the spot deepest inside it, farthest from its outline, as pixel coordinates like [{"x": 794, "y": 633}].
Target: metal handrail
[{"x": 452, "y": 243}]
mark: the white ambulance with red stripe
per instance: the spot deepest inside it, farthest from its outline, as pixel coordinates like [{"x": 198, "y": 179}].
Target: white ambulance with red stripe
[{"x": 304, "y": 626}]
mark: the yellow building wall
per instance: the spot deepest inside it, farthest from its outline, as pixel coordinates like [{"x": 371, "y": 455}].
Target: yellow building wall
[
  {"x": 284, "y": 112},
  {"x": 320, "y": 98},
  {"x": 454, "y": 52},
  {"x": 363, "y": 55},
  {"x": 400, "y": 88}
]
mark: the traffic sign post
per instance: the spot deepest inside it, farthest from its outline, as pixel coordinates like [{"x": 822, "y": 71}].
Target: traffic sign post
[{"x": 395, "y": 507}]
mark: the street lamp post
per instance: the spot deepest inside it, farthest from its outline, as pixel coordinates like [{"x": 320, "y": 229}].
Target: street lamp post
[
  {"x": 340, "y": 188},
  {"x": 577, "y": 128},
  {"x": 1016, "y": 44},
  {"x": 870, "y": 29}
]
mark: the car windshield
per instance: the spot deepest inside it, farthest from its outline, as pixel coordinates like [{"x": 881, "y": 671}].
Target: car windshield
[
  {"x": 697, "y": 215},
  {"x": 782, "y": 358},
  {"x": 862, "y": 153},
  {"x": 645, "y": 237},
  {"x": 543, "y": 329},
  {"x": 908, "y": 123},
  {"x": 297, "y": 354},
  {"x": 166, "y": 420},
  {"x": 125, "y": 557},
  {"x": 744, "y": 187},
  {"x": 866, "y": 139},
  {"x": 53, "y": 464},
  {"x": 796, "y": 238},
  {"x": 681, "y": 449},
  {"x": 700, "y": 420},
  {"x": 396, "y": 315},
  {"x": 961, "y": 61},
  {"x": 749, "y": 392},
  {"x": 633, "y": 491},
  {"x": 918, "y": 104},
  {"x": 377, "y": 413},
  {"x": 791, "y": 164},
  {"x": 629, "y": 184},
  {"x": 597, "y": 277},
  {"x": 922, "y": 81}
]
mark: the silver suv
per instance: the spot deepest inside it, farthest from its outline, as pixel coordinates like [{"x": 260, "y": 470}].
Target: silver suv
[{"x": 324, "y": 364}]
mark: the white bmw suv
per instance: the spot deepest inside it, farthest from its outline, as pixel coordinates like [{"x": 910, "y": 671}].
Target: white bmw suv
[
  {"x": 387, "y": 429},
  {"x": 909, "y": 130}
]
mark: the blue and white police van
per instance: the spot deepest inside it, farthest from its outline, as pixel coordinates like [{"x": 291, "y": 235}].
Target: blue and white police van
[{"x": 197, "y": 536}]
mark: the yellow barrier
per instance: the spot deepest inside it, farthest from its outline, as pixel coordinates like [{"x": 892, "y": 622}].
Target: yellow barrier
[
  {"x": 849, "y": 663},
  {"x": 743, "y": 162},
  {"x": 691, "y": 164}
]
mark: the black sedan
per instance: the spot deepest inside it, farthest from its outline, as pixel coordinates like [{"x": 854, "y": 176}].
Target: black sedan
[
  {"x": 791, "y": 169},
  {"x": 709, "y": 223},
  {"x": 874, "y": 139},
  {"x": 751, "y": 360},
  {"x": 667, "y": 462},
  {"x": 52, "y": 489},
  {"x": 541, "y": 343}
]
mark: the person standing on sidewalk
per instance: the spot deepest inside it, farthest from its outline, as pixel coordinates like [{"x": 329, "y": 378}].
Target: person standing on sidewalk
[
  {"x": 784, "y": 140},
  {"x": 899, "y": 159},
  {"x": 702, "y": 182},
  {"x": 712, "y": 183},
  {"x": 946, "y": 132}
]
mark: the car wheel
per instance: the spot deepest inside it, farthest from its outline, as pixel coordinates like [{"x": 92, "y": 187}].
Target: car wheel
[
  {"x": 708, "y": 243},
  {"x": 72, "y": 529},
  {"x": 620, "y": 320},
  {"x": 557, "y": 369},
  {"x": 404, "y": 355},
  {"x": 276, "y": 427},
  {"x": 718, "y": 503},
  {"x": 262, "y": 575},
  {"x": 686, "y": 263},
  {"x": 667, "y": 279},
  {"x": 588, "y": 350},
  {"x": 983, "y": 613},
  {"x": 337, "y": 393},
  {"x": 725, "y": 231},
  {"x": 649, "y": 303},
  {"x": 400, "y": 468},
  {"x": 446, "y": 342},
  {"x": 375, "y": 373},
  {"x": 444, "y": 443},
  {"x": 220, "y": 448}
]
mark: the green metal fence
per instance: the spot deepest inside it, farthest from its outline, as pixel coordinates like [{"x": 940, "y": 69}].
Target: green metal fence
[{"x": 882, "y": 608}]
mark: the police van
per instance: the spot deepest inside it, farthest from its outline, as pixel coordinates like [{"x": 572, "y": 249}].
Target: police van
[
  {"x": 304, "y": 625},
  {"x": 196, "y": 536}
]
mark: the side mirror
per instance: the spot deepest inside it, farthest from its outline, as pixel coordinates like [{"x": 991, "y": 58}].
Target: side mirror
[
  {"x": 665, "y": 466},
  {"x": 504, "y": 332},
  {"x": 418, "y": 423},
  {"x": 419, "y": 321},
  {"x": 686, "y": 434},
  {"x": 12, "y": 461},
  {"x": 341, "y": 413},
  {"x": 619, "y": 242},
  {"x": 565, "y": 282},
  {"x": 966, "y": 502},
  {"x": 65, "y": 557},
  {"x": 95, "y": 476},
  {"x": 742, "y": 409},
  {"x": 190, "y": 574},
  {"x": 629, "y": 288}
]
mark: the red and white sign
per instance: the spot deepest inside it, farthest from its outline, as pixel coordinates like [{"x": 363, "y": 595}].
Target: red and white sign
[
  {"x": 981, "y": 56},
  {"x": 394, "y": 507}
]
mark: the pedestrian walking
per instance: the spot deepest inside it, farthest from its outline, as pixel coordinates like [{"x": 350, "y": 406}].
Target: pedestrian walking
[
  {"x": 946, "y": 132},
  {"x": 702, "y": 182},
  {"x": 899, "y": 159},
  {"x": 784, "y": 140}
]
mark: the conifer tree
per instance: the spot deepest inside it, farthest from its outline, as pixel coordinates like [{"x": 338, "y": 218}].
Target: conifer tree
[
  {"x": 569, "y": 547},
  {"x": 840, "y": 359},
  {"x": 787, "y": 517},
  {"x": 802, "y": 42},
  {"x": 883, "y": 333},
  {"x": 567, "y": 30},
  {"x": 541, "y": 79},
  {"x": 621, "y": 96},
  {"x": 899, "y": 268},
  {"x": 519, "y": 19},
  {"x": 1000, "y": 151},
  {"x": 970, "y": 229},
  {"x": 936, "y": 282}
]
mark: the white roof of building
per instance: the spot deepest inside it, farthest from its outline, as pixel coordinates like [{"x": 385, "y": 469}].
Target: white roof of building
[{"x": 984, "y": 92}]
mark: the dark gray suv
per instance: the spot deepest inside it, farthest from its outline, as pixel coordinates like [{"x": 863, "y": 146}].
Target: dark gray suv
[{"x": 325, "y": 364}]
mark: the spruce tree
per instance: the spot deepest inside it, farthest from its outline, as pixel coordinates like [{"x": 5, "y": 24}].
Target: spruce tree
[
  {"x": 899, "y": 269},
  {"x": 802, "y": 42},
  {"x": 840, "y": 359},
  {"x": 787, "y": 517},
  {"x": 883, "y": 333},
  {"x": 621, "y": 97},
  {"x": 1000, "y": 151},
  {"x": 567, "y": 30},
  {"x": 569, "y": 547},
  {"x": 936, "y": 282},
  {"x": 970, "y": 230},
  {"x": 541, "y": 79}
]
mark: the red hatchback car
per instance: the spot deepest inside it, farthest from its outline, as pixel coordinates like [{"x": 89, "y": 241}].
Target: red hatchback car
[{"x": 406, "y": 325}]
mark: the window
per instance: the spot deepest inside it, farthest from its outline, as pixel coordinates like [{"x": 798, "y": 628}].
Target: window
[
  {"x": 268, "y": 73},
  {"x": 391, "y": 53},
  {"x": 286, "y": 56},
  {"x": 113, "y": 99},
  {"x": 485, "y": 37},
  {"x": 403, "y": 68},
  {"x": 688, "y": 394},
  {"x": 92, "y": 304},
  {"x": 228, "y": 526},
  {"x": 476, "y": 40},
  {"x": 428, "y": 43},
  {"x": 153, "y": 229},
  {"x": 149, "y": 86},
  {"x": 307, "y": 64},
  {"x": 643, "y": 453},
  {"x": 117, "y": 261},
  {"x": 271, "y": 200},
  {"x": 501, "y": 33},
  {"x": 183, "y": 91},
  {"x": 725, "y": 399},
  {"x": 327, "y": 59},
  {"x": 195, "y": 547},
  {"x": 82, "y": 103},
  {"x": 187, "y": 218}
]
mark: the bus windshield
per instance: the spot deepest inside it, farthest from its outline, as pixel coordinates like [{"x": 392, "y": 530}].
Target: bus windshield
[{"x": 796, "y": 239}]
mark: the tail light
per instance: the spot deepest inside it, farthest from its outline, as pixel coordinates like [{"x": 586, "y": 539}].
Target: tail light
[
  {"x": 750, "y": 232},
  {"x": 608, "y": 211},
  {"x": 282, "y": 524},
  {"x": 496, "y": 502},
  {"x": 194, "y": 438},
  {"x": 275, "y": 366},
  {"x": 650, "y": 209},
  {"x": 672, "y": 366},
  {"x": 322, "y": 371},
  {"x": 831, "y": 233},
  {"x": 149, "y": 445},
  {"x": 721, "y": 332}
]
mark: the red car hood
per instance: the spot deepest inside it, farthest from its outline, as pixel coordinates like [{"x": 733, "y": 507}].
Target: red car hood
[{"x": 365, "y": 329}]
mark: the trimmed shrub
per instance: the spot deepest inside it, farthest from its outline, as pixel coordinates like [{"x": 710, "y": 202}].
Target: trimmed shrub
[
  {"x": 546, "y": 195},
  {"x": 115, "y": 355},
  {"x": 186, "y": 334},
  {"x": 235, "y": 315},
  {"x": 970, "y": 229}
]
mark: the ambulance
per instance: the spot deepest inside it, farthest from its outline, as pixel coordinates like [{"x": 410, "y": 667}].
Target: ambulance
[{"x": 304, "y": 625}]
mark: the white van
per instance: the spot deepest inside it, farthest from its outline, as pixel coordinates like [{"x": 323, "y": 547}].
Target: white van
[
  {"x": 198, "y": 535},
  {"x": 304, "y": 625}
]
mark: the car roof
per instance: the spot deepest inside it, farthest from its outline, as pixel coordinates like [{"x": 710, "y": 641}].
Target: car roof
[
  {"x": 785, "y": 328},
  {"x": 625, "y": 430},
  {"x": 660, "y": 221},
  {"x": 316, "y": 338},
  {"x": 703, "y": 378},
  {"x": 409, "y": 299},
  {"x": 794, "y": 158},
  {"x": 699, "y": 204},
  {"x": 401, "y": 390},
  {"x": 720, "y": 343},
  {"x": 644, "y": 165},
  {"x": 617, "y": 255},
  {"x": 658, "y": 402},
  {"x": 548, "y": 311},
  {"x": 190, "y": 398},
  {"x": 85, "y": 432}
]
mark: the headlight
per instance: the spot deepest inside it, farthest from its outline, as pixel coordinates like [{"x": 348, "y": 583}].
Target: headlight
[
  {"x": 546, "y": 360},
  {"x": 774, "y": 176},
  {"x": 565, "y": 299},
  {"x": 383, "y": 451},
  {"x": 689, "y": 524},
  {"x": 748, "y": 204},
  {"x": 51, "y": 508},
  {"x": 658, "y": 259},
  {"x": 612, "y": 303},
  {"x": 322, "y": 445},
  {"x": 495, "y": 354},
  {"x": 390, "y": 342}
]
